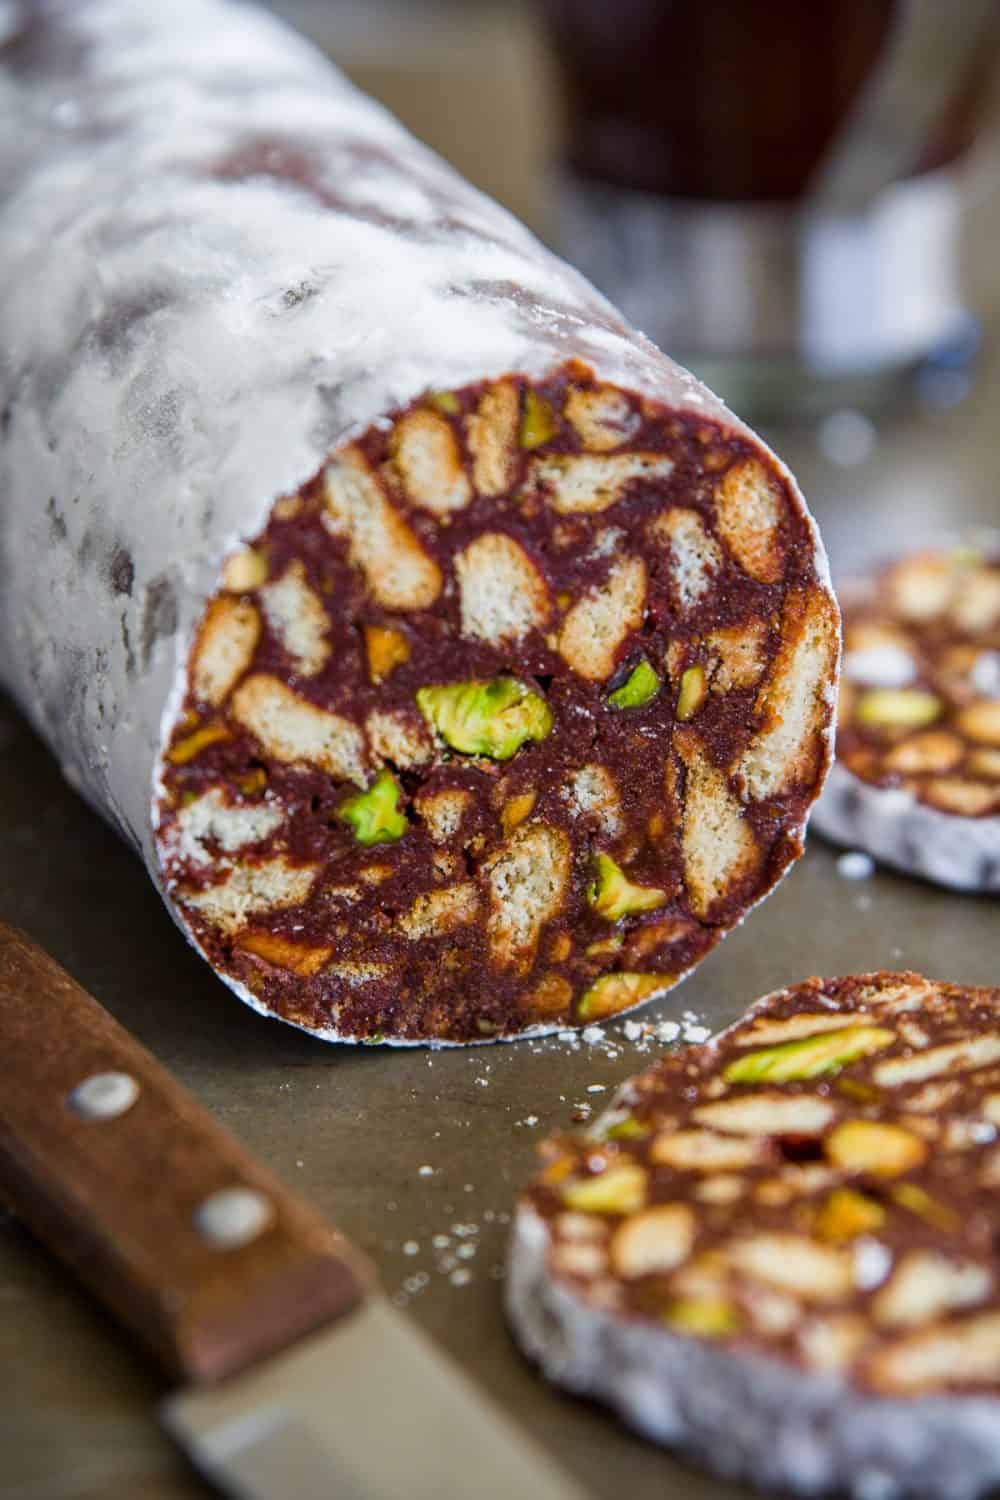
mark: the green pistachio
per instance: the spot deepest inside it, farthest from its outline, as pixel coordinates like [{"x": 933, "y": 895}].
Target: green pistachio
[
  {"x": 619, "y": 991},
  {"x": 619, "y": 1190},
  {"x": 445, "y": 401},
  {"x": 692, "y": 693},
  {"x": 612, "y": 894},
  {"x": 641, "y": 685},
  {"x": 627, "y": 1129},
  {"x": 374, "y": 815},
  {"x": 486, "y": 718},
  {"x": 538, "y": 424},
  {"x": 703, "y": 1317},
  {"x": 898, "y": 708},
  {"x": 809, "y": 1056}
]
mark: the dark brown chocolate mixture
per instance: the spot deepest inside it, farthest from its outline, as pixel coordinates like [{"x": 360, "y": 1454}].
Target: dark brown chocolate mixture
[
  {"x": 820, "y": 1183},
  {"x": 450, "y": 984}
]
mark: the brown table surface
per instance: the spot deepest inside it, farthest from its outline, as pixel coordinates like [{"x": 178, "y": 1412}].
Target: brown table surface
[{"x": 352, "y": 1127}]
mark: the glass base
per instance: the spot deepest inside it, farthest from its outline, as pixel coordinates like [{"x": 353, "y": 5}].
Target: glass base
[
  {"x": 781, "y": 309},
  {"x": 790, "y": 390}
]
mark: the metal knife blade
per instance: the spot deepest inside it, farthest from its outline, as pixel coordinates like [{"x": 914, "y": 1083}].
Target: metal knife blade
[
  {"x": 367, "y": 1410},
  {"x": 301, "y": 1382}
]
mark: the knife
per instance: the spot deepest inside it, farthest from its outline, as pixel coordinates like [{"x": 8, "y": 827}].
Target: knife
[{"x": 300, "y": 1379}]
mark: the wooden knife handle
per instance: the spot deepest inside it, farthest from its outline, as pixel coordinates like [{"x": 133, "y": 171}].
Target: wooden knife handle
[{"x": 159, "y": 1210}]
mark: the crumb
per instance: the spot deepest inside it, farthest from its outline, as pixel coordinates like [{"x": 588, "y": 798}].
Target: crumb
[{"x": 855, "y": 865}]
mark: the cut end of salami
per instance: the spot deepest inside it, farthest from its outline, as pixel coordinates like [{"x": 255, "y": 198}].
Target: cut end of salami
[
  {"x": 779, "y": 1250},
  {"x": 461, "y": 667},
  {"x": 917, "y": 779},
  {"x": 504, "y": 719}
]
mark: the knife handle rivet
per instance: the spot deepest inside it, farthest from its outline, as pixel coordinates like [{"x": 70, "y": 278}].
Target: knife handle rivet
[
  {"x": 232, "y": 1217},
  {"x": 103, "y": 1096}
]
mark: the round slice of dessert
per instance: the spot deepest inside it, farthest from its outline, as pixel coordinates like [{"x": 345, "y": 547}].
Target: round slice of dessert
[
  {"x": 778, "y": 1250},
  {"x": 917, "y": 776},
  {"x": 503, "y": 720}
]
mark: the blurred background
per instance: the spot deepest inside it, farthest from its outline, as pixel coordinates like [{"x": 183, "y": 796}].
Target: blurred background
[{"x": 800, "y": 201}]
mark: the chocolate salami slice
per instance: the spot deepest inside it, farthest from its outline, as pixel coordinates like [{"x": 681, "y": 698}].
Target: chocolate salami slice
[
  {"x": 459, "y": 665},
  {"x": 779, "y": 1250},
  {"x": 917, "y": 775}
]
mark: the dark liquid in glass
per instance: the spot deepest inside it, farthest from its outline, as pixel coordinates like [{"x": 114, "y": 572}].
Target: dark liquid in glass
[{"x": 727, "y": 99}]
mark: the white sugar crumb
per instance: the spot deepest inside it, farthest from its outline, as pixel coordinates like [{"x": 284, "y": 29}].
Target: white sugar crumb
[
  {"x": 411, "y": 1247},
  {"x": 425, "y": 1171},
  {"x": 985, "y": 674},
  {"x": 596, "y": 1088},
  {"x": 461, "y": 1277},
  {"x": 872, "y": 1262},
  {"x": 592, "y": 1035},
  {"x": 530, "y": 1120},
  {"x": 633, "y": 1030},
  {"x": 855, "y": 865},
  {"x": 847, "y": 437}
]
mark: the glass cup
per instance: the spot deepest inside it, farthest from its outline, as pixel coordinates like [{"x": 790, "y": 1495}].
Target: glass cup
[{"x": 769, "y": 188}]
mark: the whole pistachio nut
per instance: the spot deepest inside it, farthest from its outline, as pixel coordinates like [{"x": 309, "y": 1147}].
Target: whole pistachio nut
[{"x": 486, "y": 718}]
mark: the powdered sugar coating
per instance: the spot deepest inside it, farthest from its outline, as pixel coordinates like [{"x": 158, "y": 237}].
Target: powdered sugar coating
[
  {"x": 247, "y": 264},
  {"x": 900, "y": 831}
]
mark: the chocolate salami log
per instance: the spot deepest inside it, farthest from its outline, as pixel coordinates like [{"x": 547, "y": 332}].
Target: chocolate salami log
[
  {"x": 917, "y": 777},
  {"x": 779, "y": 1250},
  {"x": 460, "y": 667}
]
